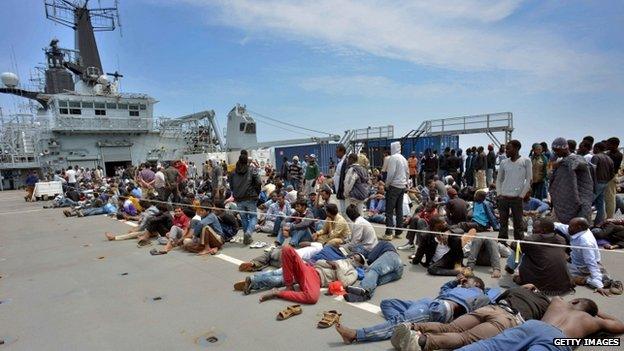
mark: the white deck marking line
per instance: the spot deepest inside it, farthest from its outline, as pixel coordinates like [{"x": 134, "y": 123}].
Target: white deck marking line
[
  {"x": 368, "y": 307},
  {"x": 24, "y": 211},
  {"x": 131, "y": 224},
  {"x": 230, "y": 259}
]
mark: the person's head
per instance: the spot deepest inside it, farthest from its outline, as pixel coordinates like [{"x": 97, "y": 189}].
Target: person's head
[
  {"x": 273, "y": 196},
  {"x": 452, "y": 193},
  {"x": 613, "y": 143},
  {"x": 577, "y": 225},
  {"x": 341, "y": 150},
  {"x": 325, "y": 193},
  {"x": 177, "y": 211},
  {"x": 204, "y": 208},
  {"x": 537, "y": 149},
  {"x": 352, "y": 212},
  {"x": 490, "y": 147},
  {"x": 431, "y": 183},
  {"x": 480, "y": 149},
  {"x": 599, "y": 148},
  {"x": 513, "y": 148},
  {"x": 413, "y": 154},
  {"x": 544, "y": 226},
  {"x": 312, "y": 197},
  {"x": 331, "y": 210},
  {"x": 438, "y": 224},
  {"x": 352, "y": 159},
  {"x": 572, "y": 145},
  {"x": 584, "y": 147},
  {"x": 473, "y": 282},
  {"x": 279, "y": 198},
  {"x": 162, "y": 207},
  {"x": 589, "y": 139},
  {"x": 480, "y": 196},
  {"x": 584, "y": 305},
  {"x": 560, "y": 147},
  {"x": 301, "y": 205}
]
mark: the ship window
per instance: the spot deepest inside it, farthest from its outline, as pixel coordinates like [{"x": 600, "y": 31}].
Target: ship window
[
  {"x": 142, "y": 106},
  {"x": 74, "y": 104},
  {"x": 100, "y": 105},
  {"x": 122, "y": 106},
  {"x": 242, "y": 127},
  {"x": 87, "y": 104},
  {"x": 134, "y": 113},
  {"x": 75, "y": 111},
  {"x": 111, "y": 105},
  {"x": 133, "y": 107},
  {"x": 62, "y": 103},
  {"x": 250, "y": 128},
  {"x": 100, "y": 112},
  {"x": 63, "y": 111}
]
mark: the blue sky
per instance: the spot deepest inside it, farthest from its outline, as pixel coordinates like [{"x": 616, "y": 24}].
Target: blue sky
[{"x": 337, "y": 64}]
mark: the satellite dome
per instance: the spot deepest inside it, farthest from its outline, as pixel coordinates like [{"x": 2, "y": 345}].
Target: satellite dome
[
  {"x": 103, "y": 79},
  {"x": 10, "y": 80}
]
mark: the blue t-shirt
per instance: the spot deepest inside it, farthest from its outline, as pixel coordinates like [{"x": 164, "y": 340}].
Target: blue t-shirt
[{"x": 479, "y": 215}]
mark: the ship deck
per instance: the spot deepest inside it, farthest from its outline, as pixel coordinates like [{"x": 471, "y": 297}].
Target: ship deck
[{"x": 64, "y": 287}]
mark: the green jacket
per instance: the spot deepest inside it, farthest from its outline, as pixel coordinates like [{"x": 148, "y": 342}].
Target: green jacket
[{"x": 312, "y": 172}]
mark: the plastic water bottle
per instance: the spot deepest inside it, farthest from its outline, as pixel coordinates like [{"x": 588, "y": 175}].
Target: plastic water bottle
[{"x": 530, "y": 226}]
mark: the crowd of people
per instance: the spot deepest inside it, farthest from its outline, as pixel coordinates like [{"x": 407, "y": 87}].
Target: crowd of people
[{"x": 453, "y": 206}]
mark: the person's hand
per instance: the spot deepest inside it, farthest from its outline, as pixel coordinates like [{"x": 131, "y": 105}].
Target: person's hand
[
  {"x": 529, "y": 286},
  {"x": 314, "y": 236},
  {"x": 603, "y": 292},
  {"x": 460, "y": 277},
  {"x": 579, "y": 280}
]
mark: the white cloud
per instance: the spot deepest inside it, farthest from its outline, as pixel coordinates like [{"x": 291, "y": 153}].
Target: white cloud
[{"x": 461, "y": 35}]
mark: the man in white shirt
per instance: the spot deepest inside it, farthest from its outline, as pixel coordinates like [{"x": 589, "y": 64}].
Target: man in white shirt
[
  {"x": 71, "y": 176},
  {"x": 363, "y": 234},
  {"x": 396, "y": 183}
]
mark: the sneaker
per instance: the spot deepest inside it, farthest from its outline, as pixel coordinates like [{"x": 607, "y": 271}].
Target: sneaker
[
  {"x": 387, "y": 237},
  {"x": 354, "y": 298},
  {"x": 407, "y": 247},
  {"x": 247, "y": 240},
  {"x": 79, "y": 213},
  {"x": 616, "y": 287},
  {"x": 356, "y": 290}
]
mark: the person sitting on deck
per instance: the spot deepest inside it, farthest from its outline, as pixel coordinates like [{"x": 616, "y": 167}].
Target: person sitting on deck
[
  {"x": 207, "y": 233},
  {"x": 335, "y": 227},
  {"x": 483, "y": 217},
  {"x": 443, "y": 253},
  {"x": 297, "y": 226}
]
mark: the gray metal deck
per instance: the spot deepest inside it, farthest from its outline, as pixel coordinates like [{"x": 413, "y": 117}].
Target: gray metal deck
[{"x": 58, "y": 294}]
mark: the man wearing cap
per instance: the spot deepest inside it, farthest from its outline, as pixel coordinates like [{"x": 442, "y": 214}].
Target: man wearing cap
[
  {"x": 311, "y": 173},
  {"x": 571, "y": 185}
]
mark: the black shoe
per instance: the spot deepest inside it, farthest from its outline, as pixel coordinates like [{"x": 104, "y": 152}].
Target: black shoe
[
  {"x": 354, "y": 298},
  {"x": 356, "y": 290},
  {"x": 509, "y": 270}
]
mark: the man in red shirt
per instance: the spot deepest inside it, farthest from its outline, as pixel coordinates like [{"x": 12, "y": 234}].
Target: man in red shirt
[{"x": 412, "y": 164}]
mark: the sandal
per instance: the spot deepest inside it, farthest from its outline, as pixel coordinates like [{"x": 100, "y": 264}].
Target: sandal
[
  {"x": 289, "y": 311},
  {"x": 156, "y": 252},
  {"x": 244, "y": 286},
  {"x": 329, "y": 318},
  {"x": 247, "y": 267},
  {"x": 142, "y": 243}
]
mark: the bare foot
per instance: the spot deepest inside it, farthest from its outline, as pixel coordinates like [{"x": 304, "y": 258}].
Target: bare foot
[
  {"x": 269, "y": 296},
  {"x": 496, "y": 273},
  {"x": 110, "y": 236},
  {"x": 204, "y": 252},
  {"x": 348, "y": 335},
  {"x": 213, "y": 251}
]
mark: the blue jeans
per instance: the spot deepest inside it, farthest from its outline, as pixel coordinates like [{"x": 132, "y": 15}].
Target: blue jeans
[
  {"x": 94, "y": 211},
  {"x": 599, "y": 202},
  {"x": 395, "y": 311},
  {"x": 377, "y": 218},
  {"x": 511, "y": 260},
  {"x": 619, "y": 202},
  {"x": 248, "y": 217},
  {"x": 267, "y": 280},
  {"x": 278, "y": 225},
  {"x": 387, "y": 268},
  {"x": 532, "y": 335},
  {"x": 296, "y": 236}
]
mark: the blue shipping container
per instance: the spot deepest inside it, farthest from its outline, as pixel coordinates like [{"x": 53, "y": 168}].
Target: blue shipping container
[
  {"x": 375, "y": 148},
  {"x": 323, "y": 153}
]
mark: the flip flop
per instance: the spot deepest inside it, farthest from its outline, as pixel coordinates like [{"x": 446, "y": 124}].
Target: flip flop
[
  {"x": 289, "y": 311},
  {"x": 142, "y": 243},
  {"x": 329, "y": 318},
  {"x": 246, "y": 267},
  {"x": 156, "y": 252}
]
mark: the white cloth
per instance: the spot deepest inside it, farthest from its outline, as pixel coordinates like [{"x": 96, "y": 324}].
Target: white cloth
[
  {"x": 440, "y": 251},
  {"x": 362, "y": 233}
]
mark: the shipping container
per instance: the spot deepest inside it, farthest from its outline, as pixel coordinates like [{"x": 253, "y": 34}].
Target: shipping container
[
  {"x": 323, "y": 152},
  {"x": 375, "y": 148}
]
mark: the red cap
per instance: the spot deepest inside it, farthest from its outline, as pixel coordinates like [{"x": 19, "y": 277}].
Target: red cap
[{"x": 336, "y": 288}]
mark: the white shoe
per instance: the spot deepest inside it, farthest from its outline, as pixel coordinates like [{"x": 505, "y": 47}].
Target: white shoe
[{"x": 407, "y": 247}]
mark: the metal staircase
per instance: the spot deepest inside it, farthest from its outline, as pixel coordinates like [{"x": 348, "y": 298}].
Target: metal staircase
[
  {"x": 355, "y": 139},
  {"x": 487, "y": 124}
]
